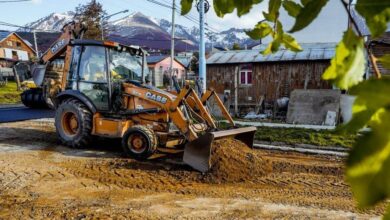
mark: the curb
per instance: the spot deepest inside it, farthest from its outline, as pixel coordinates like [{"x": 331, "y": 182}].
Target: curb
[
  {"x": 3, "y": 106},
  {"x": 301, "y": 150}
]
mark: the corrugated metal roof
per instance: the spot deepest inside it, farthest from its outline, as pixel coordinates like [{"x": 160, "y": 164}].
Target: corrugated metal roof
[
  {"x": 311, "y": 51},
  {"x": 155, "y": 59},
  {"x": 4, "y": 34},
  {"x": 185, "y": 61}
]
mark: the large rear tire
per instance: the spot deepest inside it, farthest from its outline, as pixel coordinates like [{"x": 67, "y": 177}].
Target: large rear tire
[
  {"x": 73, "y": 123},
  {"x": 139, "y": 142}
]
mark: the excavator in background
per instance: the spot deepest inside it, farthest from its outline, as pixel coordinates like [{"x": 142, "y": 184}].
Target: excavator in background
[{"x": 98, "y": 89}]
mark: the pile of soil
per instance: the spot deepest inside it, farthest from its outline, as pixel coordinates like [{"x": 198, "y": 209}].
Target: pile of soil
[{"x": 232, "y": 161}]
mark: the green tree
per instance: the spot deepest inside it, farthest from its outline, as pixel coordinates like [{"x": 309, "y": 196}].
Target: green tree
[
  {"x": 369, "y": 161},
  {"x": 236, "y": 46},
  {"x": 194, "y": 65},
  {"x": 90, "y": 14}
]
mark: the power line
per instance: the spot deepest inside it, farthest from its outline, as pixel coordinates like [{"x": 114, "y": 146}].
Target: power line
[
  {"x": 159, "y": 3},
  {"x": 188, "y": 17},
  {"x": 2, "y": 23},
  {"x": 12, "y": 1}
]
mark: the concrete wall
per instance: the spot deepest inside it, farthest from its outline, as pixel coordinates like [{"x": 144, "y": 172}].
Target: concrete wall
[{"x": 311, "y": 106}]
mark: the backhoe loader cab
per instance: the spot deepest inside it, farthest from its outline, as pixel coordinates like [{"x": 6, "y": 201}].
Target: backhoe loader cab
[{"x": 98, "y": 69}]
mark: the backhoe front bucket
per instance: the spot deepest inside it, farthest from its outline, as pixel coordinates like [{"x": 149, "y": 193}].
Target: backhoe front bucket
[{"x": 197, "y": 153}]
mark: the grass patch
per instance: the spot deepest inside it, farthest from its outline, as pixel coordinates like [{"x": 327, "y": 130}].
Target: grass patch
[
  {"x": 9, "y": 95},
  {"x": 293, "y": 136}
]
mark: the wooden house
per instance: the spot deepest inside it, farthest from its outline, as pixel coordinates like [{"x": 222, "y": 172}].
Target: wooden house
[
  {"x": 13, "y": 48},
  {"x": 266, "y": 79}
]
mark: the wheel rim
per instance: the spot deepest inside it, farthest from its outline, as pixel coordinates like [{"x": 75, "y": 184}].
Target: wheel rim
[
  {"x": 70, "y": 123},
  {"x": 137, "y": 143}
]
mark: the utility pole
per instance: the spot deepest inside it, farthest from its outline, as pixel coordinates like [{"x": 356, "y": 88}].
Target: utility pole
[
  {"x": 36, "y": 44},
  {"x": 172, "y": 42},
  {"x": 203, "y": 6}
]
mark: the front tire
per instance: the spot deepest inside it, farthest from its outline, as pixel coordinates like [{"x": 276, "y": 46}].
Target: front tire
[
  {"x": 73, "y": 123},
  {"x": 139, "y": 142}
]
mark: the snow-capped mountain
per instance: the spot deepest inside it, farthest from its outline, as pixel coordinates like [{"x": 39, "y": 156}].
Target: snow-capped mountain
[
  {"x": 52, "y": 22},
  {"x": 139, "y": 29}
]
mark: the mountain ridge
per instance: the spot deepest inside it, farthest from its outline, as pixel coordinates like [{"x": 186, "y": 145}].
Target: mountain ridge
[{"x": 150, "y": 32}]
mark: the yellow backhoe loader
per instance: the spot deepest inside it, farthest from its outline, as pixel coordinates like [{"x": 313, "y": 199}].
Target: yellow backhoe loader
[{"x": 98, "y": 89}]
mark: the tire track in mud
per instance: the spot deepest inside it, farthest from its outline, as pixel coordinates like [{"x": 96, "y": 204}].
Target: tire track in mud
[
  {"x": 187, "y": 182},
  {"x": 123, "y": 178},
  {"x": 302, "y": 180}
]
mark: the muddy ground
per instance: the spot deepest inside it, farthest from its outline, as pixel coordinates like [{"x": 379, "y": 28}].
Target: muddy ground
[{"x": 41, "y": 179}]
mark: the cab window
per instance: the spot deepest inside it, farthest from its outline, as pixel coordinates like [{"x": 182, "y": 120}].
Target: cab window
[
  {"x": 93, "y": 76},
  {"x": 93, "y": 64},
  {"x": 124, "y": 66}
]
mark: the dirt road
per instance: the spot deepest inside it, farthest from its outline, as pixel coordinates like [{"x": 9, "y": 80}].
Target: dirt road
[{"x": 41, "y": 179}]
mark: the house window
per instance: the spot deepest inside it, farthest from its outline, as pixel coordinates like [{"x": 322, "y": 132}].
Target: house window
[
  {"x": 15, "y": 55},
  {"x": 18, "y": 44},
  {"x": 9, "y": 43},
  {"x": 246, "y": 74}
]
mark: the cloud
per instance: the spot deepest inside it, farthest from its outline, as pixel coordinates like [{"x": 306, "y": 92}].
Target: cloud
[{"x": 37, "y": 2}]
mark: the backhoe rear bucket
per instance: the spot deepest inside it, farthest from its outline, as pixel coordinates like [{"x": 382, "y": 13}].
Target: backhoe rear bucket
[{"x": 197, "y": 153}]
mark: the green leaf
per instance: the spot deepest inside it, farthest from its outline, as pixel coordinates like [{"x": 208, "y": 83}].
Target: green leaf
[
  {"x": 290, "y": 43},
  {"x": 273, "y": 10},
  {"x": 244, "y": 6},
  {"x": 371, "y": 95},
  {"x": 292, "y": 8},
  {"x": 186, "y": 6},
  {"x": 385, "y": 61},
  {"x": 277, "y": 39},
  {"x": 376, "y": 14},
  {"x": 348, "y": 66},
  {"x": 369, "y": 160},
  {"x": 272, "y": 47},
  {"x": 387, "y": 214},
  {"x": 260, "y": 31},
  {"x": 223, "y": 7},
  {"x": 305, "y": 2},
  {"x": 307, "y": 14}
]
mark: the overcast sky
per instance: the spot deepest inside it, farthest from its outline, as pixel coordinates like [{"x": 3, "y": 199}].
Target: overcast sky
[{"x": 328, "y": 27}]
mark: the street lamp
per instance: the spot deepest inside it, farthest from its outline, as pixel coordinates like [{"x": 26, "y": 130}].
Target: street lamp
[{"x": 102, "y": 19}]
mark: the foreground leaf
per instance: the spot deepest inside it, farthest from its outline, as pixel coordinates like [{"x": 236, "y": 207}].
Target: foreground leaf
[
  {"x": 186, "y": 6},
  {"x": 385, "y": 60},
  {"x": 260, "y": 31},
  {"x": 292, "y": 8},
  {"x": 308, "y": 13},
  {"x": 376, "y": 14},
  {"x": 348, "y": 66},
  {"x": 273, "y": 10},
  {"x": 369, "y": 160},
  {"x": 371, "y": 95},
  {"x": 290, "y": 43},
  {"x": 223, "y": 7}
]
